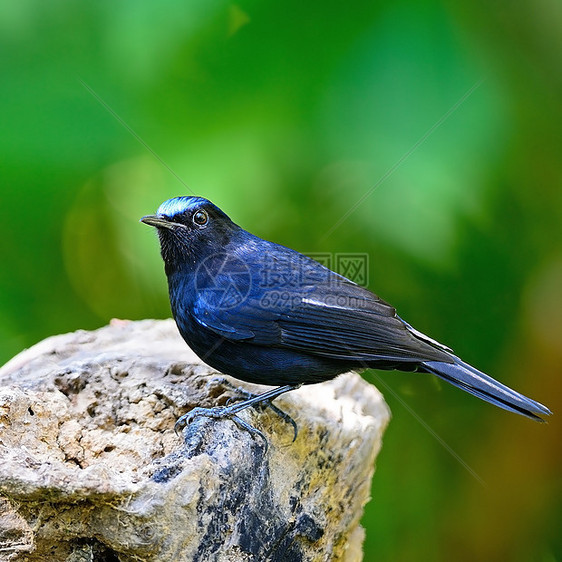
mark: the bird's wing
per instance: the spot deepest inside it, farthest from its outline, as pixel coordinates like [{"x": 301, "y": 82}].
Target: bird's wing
[
  {"x": 353, "y": 324},
  {"x": 339, "y": 320}
]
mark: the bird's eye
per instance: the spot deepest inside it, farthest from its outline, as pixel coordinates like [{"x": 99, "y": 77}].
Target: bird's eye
[{"x": 200, "y": 218}]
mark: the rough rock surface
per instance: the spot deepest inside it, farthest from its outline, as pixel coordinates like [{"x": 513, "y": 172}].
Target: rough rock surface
[{"x": 92, "y": 469}]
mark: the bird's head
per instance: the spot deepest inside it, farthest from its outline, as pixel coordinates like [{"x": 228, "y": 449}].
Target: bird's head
[{"x": 189, "y": 228}]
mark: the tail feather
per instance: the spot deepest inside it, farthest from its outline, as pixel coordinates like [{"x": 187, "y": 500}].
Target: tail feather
[{"x": 463, "y": 375}]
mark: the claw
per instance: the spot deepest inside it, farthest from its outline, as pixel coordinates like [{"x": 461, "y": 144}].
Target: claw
[
  {"x": 284, "y": 416},
  {"x": 218, "y": 412},
  {"x": 231, "y": 411},
  {"x": 253, "y": 431},
  {"x": 267, "y": 403}
]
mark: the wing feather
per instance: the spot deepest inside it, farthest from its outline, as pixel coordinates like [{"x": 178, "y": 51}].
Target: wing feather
[{"x": 336, "y": 320}]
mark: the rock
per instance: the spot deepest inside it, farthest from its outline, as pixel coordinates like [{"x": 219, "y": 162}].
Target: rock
[{"x": 92, "y": 469}]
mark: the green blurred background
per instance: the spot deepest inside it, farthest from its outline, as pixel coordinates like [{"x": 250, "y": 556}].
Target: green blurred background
[{"x": 286, "y": 115}]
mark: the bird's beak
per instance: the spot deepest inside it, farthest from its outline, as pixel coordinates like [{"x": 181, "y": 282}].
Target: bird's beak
[{"x": 159, "y": 221}]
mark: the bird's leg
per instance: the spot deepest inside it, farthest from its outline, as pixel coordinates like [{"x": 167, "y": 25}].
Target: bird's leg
[
  {"x": 266, "y": 403},
  {"x": 232, "y": 411}
]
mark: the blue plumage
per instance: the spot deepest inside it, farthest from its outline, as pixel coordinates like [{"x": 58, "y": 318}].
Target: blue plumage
[{"x": 267, "y": 314}]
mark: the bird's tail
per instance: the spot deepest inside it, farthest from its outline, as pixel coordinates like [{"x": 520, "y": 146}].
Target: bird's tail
[{"x": 475, "y": 382}]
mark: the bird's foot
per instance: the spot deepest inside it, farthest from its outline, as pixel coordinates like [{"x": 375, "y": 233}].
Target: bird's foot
[
  {"x": 218, "y": 412},
  {"x": 231, "y": 411},
  {"x": 261, "y": 405}
]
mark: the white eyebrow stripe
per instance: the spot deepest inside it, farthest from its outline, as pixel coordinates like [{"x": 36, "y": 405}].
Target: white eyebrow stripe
[
  {"x": 174, "y": 206},
  {"x": 178, "y": 205}
]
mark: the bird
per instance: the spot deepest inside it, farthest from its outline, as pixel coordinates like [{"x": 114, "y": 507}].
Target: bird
[{"x": 266, "y": 314}]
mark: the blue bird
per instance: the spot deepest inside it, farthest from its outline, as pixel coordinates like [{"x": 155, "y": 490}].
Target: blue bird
[{"x": 266, "y": 314}]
